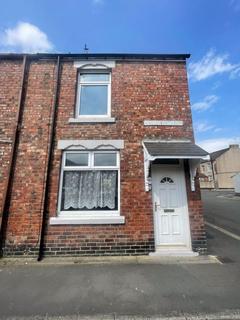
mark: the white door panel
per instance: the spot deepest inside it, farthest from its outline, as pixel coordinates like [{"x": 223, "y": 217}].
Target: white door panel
[
  {"x": 172, "y": 201},
  {"x": 175, "y": 224},
  {"x": 163, "y": 197},
  {"x": 164, "y": 227}
]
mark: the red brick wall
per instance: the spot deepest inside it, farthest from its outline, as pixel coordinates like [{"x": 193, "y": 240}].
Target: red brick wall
[
  {"x": 26, "y": 198},
  {"x": 10, "y": 82},
  {"x": 140, "y": 91},
  {"x": 195, "y": 208}
]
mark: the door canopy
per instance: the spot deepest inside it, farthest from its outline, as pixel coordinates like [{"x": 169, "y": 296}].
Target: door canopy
[{"x": 173, "y": 149}]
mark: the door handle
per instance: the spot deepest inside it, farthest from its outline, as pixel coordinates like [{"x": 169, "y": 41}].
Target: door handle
[{"x": 156, "y": 205}]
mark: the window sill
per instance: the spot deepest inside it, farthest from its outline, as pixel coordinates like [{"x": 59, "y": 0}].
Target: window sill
[
  {"x": 92, "y": 119},
  {"x": 87, "y": 220}
]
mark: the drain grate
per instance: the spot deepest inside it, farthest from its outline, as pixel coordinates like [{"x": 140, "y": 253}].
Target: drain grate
[{"x": 225, "y": 259}]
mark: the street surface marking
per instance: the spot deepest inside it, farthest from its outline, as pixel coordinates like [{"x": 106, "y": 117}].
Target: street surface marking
[{"x": 228, "y": 233}]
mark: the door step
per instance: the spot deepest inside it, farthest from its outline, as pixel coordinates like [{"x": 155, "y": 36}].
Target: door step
[{"x": 168, "y": 252}]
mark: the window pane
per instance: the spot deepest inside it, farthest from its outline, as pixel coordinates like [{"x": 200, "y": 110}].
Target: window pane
[
  {"x": 76, "y": 159},
  {"x": 93, "y": 100},
  {"x": 94, "y": 77},
  {"x": 105, "y": 159},
  {"x": 90, "y": 190}
]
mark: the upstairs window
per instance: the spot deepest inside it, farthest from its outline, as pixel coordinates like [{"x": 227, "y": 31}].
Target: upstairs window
[{"x": 94, "y": 94}]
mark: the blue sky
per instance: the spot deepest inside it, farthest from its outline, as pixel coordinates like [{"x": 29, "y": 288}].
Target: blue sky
[{"x": 209, "y": 30}]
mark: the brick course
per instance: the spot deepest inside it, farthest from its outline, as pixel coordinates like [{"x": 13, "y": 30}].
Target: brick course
[{"x": 140, "y": 91}]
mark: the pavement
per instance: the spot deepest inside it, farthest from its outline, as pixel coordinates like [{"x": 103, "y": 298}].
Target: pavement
[{"x": 132, "y": 289}]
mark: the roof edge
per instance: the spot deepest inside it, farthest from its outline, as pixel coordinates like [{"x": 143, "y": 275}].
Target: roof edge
[
  {"x": 216, "y": 154},
  {"x": 100, "y": 56}
]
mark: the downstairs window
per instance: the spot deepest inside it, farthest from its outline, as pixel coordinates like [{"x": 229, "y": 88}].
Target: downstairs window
[{"x": 89, "y": 183}]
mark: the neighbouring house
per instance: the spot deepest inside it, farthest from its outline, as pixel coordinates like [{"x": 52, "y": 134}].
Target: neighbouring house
[
  {"x": 206, "y": 175},
  {"x": 236, "y": 181},
  {"x": 97, "y": 156},
  {"x": 219, "y": 170}
]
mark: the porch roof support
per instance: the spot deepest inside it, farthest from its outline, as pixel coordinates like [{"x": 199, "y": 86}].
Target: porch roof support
[{"x": 172, "y": 150}]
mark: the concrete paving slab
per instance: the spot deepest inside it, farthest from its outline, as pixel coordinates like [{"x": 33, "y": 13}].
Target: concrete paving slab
[
  {"x": 134, "y": 289},
  {"x": 112, "y": 260}
]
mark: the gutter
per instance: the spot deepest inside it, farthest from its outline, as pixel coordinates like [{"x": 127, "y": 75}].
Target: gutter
[
  {"x": 44, "y": 209},
  {"x": 13, "y": 156},
  {"x": 101, "y": 56}
]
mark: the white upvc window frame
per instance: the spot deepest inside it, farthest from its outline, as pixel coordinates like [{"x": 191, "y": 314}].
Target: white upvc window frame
[
  {"x": 93, "y": 83},
  {"x": 69, "y": 214}
]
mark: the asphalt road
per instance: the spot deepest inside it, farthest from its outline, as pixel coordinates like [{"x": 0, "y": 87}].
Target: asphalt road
[
  {"x": 143, "y": 291},
  {"x": 222, "y": 210}
]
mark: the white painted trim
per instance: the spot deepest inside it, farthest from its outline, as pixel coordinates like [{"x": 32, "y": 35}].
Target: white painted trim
[
  {"x": 90, "y": 144},
  {"x": 87, "y": 220},
  {"x": 83, "y": 214},
  {"x": 163, "y": 123},
  {"x": 148, "y": 159},
  {"x": 94, "y": 64},
  {"x": 94, "y": 119},
  {"x": 193, "y": 165}
]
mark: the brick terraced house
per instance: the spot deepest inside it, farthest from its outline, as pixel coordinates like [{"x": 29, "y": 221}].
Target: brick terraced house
[{"x": 97, "y": 156}]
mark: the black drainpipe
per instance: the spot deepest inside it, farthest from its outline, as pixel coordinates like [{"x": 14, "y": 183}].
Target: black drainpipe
[
  {"x": 213, "y": 174},
  {"x": 49, "y": 161},
  {"x": 13, "y": 156}
]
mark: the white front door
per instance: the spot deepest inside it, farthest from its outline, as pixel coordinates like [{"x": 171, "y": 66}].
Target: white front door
[{"x": 170, "y": 208}]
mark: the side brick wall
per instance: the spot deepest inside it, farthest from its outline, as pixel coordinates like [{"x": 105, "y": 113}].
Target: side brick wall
[
  {"x": 140, "y": 91},
  {"x": 10, "y": 82},
  {"x": 24, "y": 220},
  {"x": 196, "y": 218}
]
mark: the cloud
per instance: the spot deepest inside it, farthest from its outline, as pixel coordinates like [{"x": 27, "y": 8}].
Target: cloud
[
  {"x": 25, "y": 37},
  {"x": 235, "y": 73},
  {"x": 216, "y": 85},
  {"x": 207, "y": 103},
  {"x": 211, "y": 145},
  {"x": 217, "y": 129},
  {"x": 203, "y": 127},
  {"x": 210, "y": 65}
]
